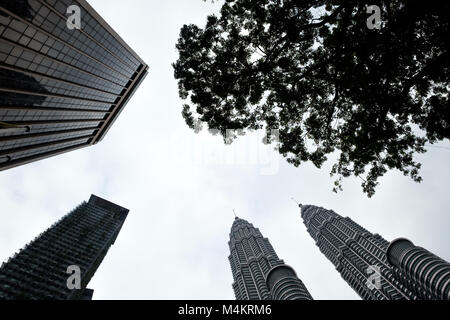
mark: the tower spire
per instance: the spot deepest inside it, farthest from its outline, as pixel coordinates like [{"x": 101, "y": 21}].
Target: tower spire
[{"x": 299, "y": 204}]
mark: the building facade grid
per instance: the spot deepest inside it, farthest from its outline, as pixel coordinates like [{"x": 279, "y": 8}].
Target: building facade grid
[
  {"x": 81, "y": 238},
  {"x": 60, "y": 89}
]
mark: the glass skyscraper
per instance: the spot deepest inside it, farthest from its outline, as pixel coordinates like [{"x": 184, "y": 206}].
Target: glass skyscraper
[
  {"x": 61, "y": 89},
  {"x": 81, "y": 239},
  {"x": 258, "y": 273}
]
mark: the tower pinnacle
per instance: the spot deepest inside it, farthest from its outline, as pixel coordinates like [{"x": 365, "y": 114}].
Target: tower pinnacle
[{"x": 299, "y": 204}]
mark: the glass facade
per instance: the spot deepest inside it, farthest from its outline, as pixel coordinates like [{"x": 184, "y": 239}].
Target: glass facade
[
  {"x": 60, "y": 89},
  {"x": 81, "y": 238}
]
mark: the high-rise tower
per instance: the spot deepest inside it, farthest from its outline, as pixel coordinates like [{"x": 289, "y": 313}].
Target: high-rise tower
[
  {"x": 358, "y": 255},
  {"x": 258, "y": 273},
  {"x": 61, "y": 88},
  {"x": 419, "y": 269},
  {"x": 79, "y": 241}
]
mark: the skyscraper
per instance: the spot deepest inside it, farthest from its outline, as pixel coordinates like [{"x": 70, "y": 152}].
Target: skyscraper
[
  {"x": 61, "y": 88},
  {"x": 258, "y": 273},
  {"x": 358, "y": 255},
  {"x": 419, "y": 269},
  {"x": 80, "y": 240}
]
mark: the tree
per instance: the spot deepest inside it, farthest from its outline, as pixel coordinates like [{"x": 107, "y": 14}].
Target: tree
[{"x": 316, "y": 72}]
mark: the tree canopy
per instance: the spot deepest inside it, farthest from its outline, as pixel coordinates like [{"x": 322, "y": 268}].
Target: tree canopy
[{"x": 316, "y": 72}]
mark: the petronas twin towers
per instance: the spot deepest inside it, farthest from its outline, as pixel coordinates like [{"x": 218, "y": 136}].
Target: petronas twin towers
[
  {"x": 373, "y": 267},
  {"x": 257, "y": 271}
]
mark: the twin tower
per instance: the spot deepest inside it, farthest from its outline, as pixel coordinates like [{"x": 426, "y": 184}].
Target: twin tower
[
  {"x": 376, "y": 269},
  {"x": 373, "y": 267}
]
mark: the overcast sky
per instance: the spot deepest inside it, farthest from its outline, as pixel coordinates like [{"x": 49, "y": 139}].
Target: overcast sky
[{"x": 181, "y": 187}]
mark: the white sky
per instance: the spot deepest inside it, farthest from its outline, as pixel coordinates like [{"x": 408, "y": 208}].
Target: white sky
[{"x": 181, "y": 187}]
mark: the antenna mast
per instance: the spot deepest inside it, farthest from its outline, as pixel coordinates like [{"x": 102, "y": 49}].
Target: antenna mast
[{"x": 299, "y": 204}]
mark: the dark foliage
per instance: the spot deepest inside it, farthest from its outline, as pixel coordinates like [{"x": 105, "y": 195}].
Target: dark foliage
[{"x": 329, "y": 84}]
